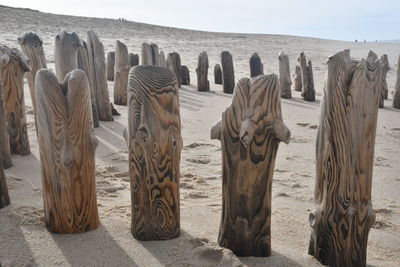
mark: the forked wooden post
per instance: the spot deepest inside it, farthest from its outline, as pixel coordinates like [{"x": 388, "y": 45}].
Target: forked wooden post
[
  {"x": 185, "y": 75},
  {"x": 217, "y": 74},
  {"x": 250, "y": 132},
  {"x": 343, "y": 214},
  {"x": 161, "y": 56},
  {"x": 122, "y": 68},
  {"x": 298, "y": 85},
  {"x": 396, "y": 93},
  {"x": 228, "y": 74},
  {"x": 154, "y": 121},
  {"x": 384, "y": 86},
  {"x": 256, "y": 67},
  {"x": 284, "y": 75},
  {"x": 307, "y": 78},
  {"x": 13, "y": 84},
  {"x": 67, "y": 147},
  {"x": 98, "y": 68},
  {"x": 110, "y": 65},
  {"x": 32, "y": 47},
  {"x": 203, "y": 84},
  {"x": 133, "y": 59},
  {"x": 5, "y": 152},
  {"x": 174, "y": 64},
  {"x": 4, "y": 197}
]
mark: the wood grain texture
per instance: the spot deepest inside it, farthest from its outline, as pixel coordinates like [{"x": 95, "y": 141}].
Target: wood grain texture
[
  {"x": 32, "y": 47},
  {"x": 396, "y": 92},
  {"x": 98, "y": 68},
  {"x": 256, "y": 67},
  {"x": 298, "y": 84},
  {"x": 162, "y": 60},
  {"x": 250, "y": 132},
  {"x": 4, "y": 197},
  {"x": 122, "y": 68},
  {"x": 66, "y": 53},
  {"x": 5, "y": 152},
  {"x": 185, "y": 75},
  {"x": 110, "y": 65},
  {"x": 133, "y": 59},
  {"x": 343, "y": 214},
  {"x": 174, "y": 64},
  {"x": 67, "y": 152},
  {"x": 13, "y": 84},
  {"x": 284, "y": 75},
  {"x": 228, "y": 73},
  {"x": 384, "y": 86},
  {"x": 155, "y": 144},
  {"x": 307, "y": 79},
  {"x": 217, "y": 74},
  {"x": 203, "y": 84}
]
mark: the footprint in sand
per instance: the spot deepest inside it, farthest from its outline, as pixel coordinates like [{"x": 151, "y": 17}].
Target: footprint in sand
[
  {"x": 199, "y": 160},
  {"x": 196, "y": 195},
  {"x": 196, "y": 145}
]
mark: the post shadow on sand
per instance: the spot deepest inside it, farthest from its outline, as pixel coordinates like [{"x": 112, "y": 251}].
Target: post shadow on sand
[{"x": 94, "y": 248}]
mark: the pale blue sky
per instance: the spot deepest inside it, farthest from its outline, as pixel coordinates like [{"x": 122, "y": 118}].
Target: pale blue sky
[{"x": 333, "y": 19}]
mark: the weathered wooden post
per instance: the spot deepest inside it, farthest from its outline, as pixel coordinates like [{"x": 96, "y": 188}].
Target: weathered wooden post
[
  {"x": 217, "y": 74},
  {"x": 110, "y": 65},
  {"x": 4, "y": 140},
  {"x": 256, "y": 67},
  {"x": 4, "y": 197},
  {"x": 155, "y": 57},
  {"x": 98, "y": 68},
  {"x": 307, "y": 78},
  {"x": 122, "y": 68},
  {"x": 396, "y": 93},
  {"x": 133, "y": 59},
  {"x": 284, "y": 75},
  {"x": 298, "y": 85},
  {"x": 32, "y": 46},
  {"x": 250, "y": 132},
  {"x": 203, "y": 84},
  {"x": 146, "y": 54},
  {"x": 174, "y": 64},
  {"x": 161, "y": 56},
  {"x": 67, "y": 152},
  {"x": 66, "y": 53},
  {"x": 154, "y": 176},
  {"x": 343, "y": 214},
  {"x": 185, "y": 75},
  {"x": 228, "y": 74},
  {"x": 384, "y": 86},
  {"x": 15, "y": 64}
]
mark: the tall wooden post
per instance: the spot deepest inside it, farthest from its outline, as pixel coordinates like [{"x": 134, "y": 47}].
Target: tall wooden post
[
  {"x": 67, "y": 152},
  {"x": 217, "y": 74},
  {"x": 133, "y": 59},
  {"x": 174, "y": 64},
  {"x": 308, "y": 92},
  {"x": 343, "y": 214},
  {"x": 298, "y": 84},
  {"x": 66, "y": 53},
  {"x": 155, "y": 57},
  {"x": 228, "y": 74},
  {"x": 98, "y": 68},
  {"x": 161, "y": 56},
  {"x": 250, "y": 132},
  {"x": 146, "y": 54},
  {"x": 384, "y": 86},
  {"x": 5, "y": 152},
  {"x": 154, "y": 122},
  {"x": 4, "y": 197},
  {"x": 256, "y": 67},
  {"x": 110, "y": 65},
  {"x": 122, "y": 68},
  {"x": 13, "y": 84},
  {"x": 203, "y": 84},
  {"x": 185, "y": 75},
  {"x": 396, "y": 93},
  {"x": 284, "y": 76}
]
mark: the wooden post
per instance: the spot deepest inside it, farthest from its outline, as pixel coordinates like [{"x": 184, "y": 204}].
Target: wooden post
[
  {"x": 154, "y": 122},
  {"x": 228, "y": 74},
  {"x": 32, "y": 46},
  {"x": 133, "y": 59},
  {"x": 110, "y": 65},
  {"x": 161, "y": 56},
  {"x": 4, "y": 197},
  {"x": 284, "y": 76},
  {"x": 384, "y": 86},
  {"x": 98, "y": 69},
  {"x": 13, "y": 84},
  {"x": 203, "y": 84},
  {"x": 298, "y": 85},
  {"x": 217, "y": 74},
  {"x": 250, "y": 132},
  {"x": 5, "y": 152},
  {"x": 174, "y": 64},
  {"x": 66, "y": 53},
  {"x": 343, "y": 214},
  {"x": 307, "y": 78},
  {"x": 67, "y": 147},
  {"x": 122, "y": 68},
  {"x": 185, "y": 75},
  {"x": 396, "y": 93},
  {"x": 155, "y": 57},
  {"x": 256, "y": 67},
  {"x": 146, "y": 54}
]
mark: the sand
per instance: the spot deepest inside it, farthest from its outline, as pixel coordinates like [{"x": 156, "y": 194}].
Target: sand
[{"x": 24, "y": 240}]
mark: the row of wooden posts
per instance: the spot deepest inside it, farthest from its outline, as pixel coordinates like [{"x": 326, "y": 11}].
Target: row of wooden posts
[{"x": 67, "y": 105}]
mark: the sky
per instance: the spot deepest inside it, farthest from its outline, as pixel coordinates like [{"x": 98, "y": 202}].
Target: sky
[{"x": 332, "y": 19}]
